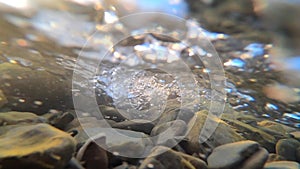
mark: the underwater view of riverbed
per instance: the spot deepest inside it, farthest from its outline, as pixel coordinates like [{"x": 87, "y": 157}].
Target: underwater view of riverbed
[{"x": 142, "y": 84}]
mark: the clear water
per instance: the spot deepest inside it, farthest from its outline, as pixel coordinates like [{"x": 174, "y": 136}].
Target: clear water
[{"x": 122, "y": 77}]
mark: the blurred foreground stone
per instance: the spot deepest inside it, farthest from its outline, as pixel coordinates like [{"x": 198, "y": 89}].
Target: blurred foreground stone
[{"x": 38, "y": 146}]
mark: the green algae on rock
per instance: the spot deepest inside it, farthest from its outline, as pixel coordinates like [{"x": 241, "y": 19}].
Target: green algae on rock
[{"x": 38, "y": 146}]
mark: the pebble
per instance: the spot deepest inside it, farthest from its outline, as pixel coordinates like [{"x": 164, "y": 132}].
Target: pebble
[
  {"x": 42, "y": 146},
  {"x": 266, "y": 140},
  {"x": 178, "y": 127},
  {"x": 165, "y": 158},
  {"x": 287, "y": 148},
  {"x": 257, "y": 160},
  {"x": 296, "y": 135},
  {"x": 275, "y": 157},
  {"x": 282, "y": 165},
  {"x": 232, "y": 154},
  {"x": 111, "y": 113},
  {"x": 3, "y": 99},
  {"x": 12, "y": 118},
  {"x": 91, "y": 154},
  {"x": 145, "y": 127},
  {"x": 222, "y": 135}
]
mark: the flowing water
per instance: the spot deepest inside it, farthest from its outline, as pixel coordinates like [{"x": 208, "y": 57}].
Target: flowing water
[{"x": 51, "y": 36}]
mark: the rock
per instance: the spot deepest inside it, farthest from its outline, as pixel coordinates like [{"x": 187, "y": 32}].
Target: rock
[
  {"x": 287, "y": 148},
  {"x": 296, "y": 135},
  {"x": 62, "y": 121},
  {"x": 85, "y": 123},
  {"x": 196, "y": 162},
  {"x": 12, "y": 118},
  {"x": 298, "y": 154},
  {"x": 111, "y": 113},
  {"x": 122, "y": 142},
  {"x": 222, "y": 135},
  {"x": 282, "y": 165},
  {"x": 170, "y": 112},
  {"x": 283, "y": 129},
  {"x": 165, "y": 158},
  {"x": 169, "y": 134},
  {"x": 275, "y": 157},
  {"x": 178, "y": 127},
  {"x": 232, "y": 154},
  {"x": 141, "y": 126},
  {"x": 3, "y": 99},
  {"x": 35, "y": 146},
  {"x": 266, "y": 140},
  {"x": 257, "y": 160},
  {"x": 92, "y": 155},
  {"x": 152, "y": 163},
  {"x": 32, "y": 90}
]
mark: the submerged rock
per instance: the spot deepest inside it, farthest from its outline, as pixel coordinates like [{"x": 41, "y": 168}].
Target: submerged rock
[
  {"x": 266, "y": 140},
  {"x": 12, "y": 118},
  {"x": 287, "y": 148},
  {"x": 3, "y": 99},
  {"x": 33, "y": 90},
  {"x": 282, "y": 165},
  {"x": 222, "y": 135},
  {"x": 38, "y": 146},
  {"x": 92, "y": 155},
  {"x": 165, "y": 158},
  {"x": 244, "y": 154}
]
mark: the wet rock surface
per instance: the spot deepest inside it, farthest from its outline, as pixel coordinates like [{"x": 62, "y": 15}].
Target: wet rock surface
[
  {"x": 233, "y": 155},
  {"x": 14, "y": 118},
  {"x": 27, "y": 93},
  {"x": 222, "y": 135},
  {"x": 35, "y": 146},
  {"x": 163, "y": 157},
  {"x": 282, "y": 165}
]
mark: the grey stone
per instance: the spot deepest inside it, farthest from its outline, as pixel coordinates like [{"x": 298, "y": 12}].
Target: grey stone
[
  {"x": 142, "y": 126},
  {"x": 257, "y": 160},
  {"x": 165, "y": 158},
  {"x": 266, "y": 140},
  {"x": 282, "y": 165},
  {"x": 222, "y": 135},
  {"x": 178, "y": 127},
  {"x": 111, "y": 113},
  {"x": 298, "y": 154},
  {"x": 232, "y": 154},
  {"x": 287, "y": 148},
  {"x": 91, "y": 154}
]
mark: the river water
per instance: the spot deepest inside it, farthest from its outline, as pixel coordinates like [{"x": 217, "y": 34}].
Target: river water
[{"x": 142, "y": 71}]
